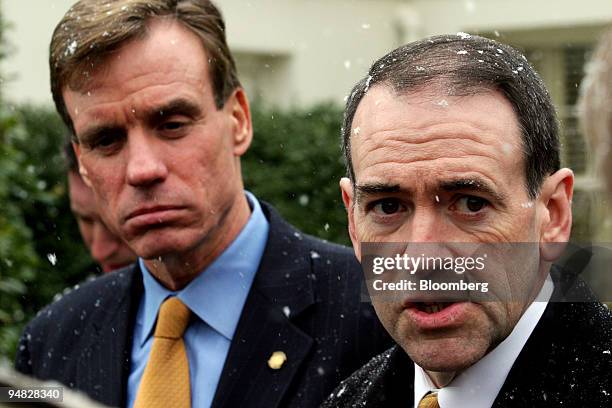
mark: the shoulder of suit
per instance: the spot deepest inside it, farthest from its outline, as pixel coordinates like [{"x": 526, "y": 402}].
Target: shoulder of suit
[
  {"x": 77, "y": 302},
  {"x": 357, "y": 389}
]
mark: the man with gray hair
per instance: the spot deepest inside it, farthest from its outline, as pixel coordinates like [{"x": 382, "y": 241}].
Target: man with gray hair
[
  {"x": 452, "y": 140},
  {"x": 227, "y": 304}
]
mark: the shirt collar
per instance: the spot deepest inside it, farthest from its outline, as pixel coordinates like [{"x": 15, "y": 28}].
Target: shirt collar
[
  {"x": 217, "y": 295},
  {"x": 478, "y": 385}
]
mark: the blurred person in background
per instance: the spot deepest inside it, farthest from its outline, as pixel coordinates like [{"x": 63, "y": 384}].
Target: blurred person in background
[
  {"x": 106, "y": 248},
  {"x": 595, "y": 108}
]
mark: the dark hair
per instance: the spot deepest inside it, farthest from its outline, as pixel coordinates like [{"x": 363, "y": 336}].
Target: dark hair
[
  {"x": 464, "y": 65},
  {"x": 93, "y": 29}
]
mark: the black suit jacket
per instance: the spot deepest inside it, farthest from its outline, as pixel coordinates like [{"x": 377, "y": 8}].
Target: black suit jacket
[
  {"x": 84, "y": 339},
  {"x": 566, "y": 362}
]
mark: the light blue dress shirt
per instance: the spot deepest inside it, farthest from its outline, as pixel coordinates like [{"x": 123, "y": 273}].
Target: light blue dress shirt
[{"x": 216, "y": 297}]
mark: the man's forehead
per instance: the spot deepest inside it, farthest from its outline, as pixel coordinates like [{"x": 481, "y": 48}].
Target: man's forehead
[
  {"x": 166, "y": 43},
  {"x": 381, "y": 103},
  {"x": 428, "y": 131},
  {"x": 486, "y": 117}
]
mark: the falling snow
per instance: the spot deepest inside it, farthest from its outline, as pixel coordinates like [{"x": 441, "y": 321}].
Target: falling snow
[
  {"x": 367, "y": 85},
  {"x": 52, "y": 258},
  {"x": 70, "y": 50}
]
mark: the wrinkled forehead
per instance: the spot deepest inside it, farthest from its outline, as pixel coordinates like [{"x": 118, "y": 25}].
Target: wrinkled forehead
[
  {"x": 157, "y": 32},
  {"x": 422, "y": 126}
]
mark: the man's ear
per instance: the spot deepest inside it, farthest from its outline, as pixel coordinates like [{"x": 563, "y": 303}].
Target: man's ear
[
  {"x": 82, "y": 170},
  {"x": 346, "y": 186},
  {"x": 556, "y": 224},
  {"x": 237, "y": 105}
]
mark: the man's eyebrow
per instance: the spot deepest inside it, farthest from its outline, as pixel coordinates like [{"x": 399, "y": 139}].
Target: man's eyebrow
[
  {"x": 472, "y": 184},
  {"x": 366, "y": 189},
  {"x": 179, "y": 106},
  {"x": 94, "y": 132}
]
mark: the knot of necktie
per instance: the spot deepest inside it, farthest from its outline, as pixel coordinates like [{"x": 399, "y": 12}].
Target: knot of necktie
[
  {"x": 172, "y": 319},
  {"x": 429, "y": 401}
]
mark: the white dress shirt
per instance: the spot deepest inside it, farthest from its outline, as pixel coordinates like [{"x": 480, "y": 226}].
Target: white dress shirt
[{"x": 478, "y": 385}]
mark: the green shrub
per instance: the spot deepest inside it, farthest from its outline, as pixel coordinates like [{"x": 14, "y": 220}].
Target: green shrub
[
  {"x": 294, "y": 163},
  {"x": 41, "y": 252}
]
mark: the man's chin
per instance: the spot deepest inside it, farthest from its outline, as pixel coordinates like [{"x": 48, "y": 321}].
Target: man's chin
[
  {"x": 445, "y": 355},
  {"x": 156, "y": 246}
]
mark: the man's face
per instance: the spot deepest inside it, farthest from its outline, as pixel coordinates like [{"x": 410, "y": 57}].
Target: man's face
[
  {"x": 436, "y": 168},
  {"x": 162, "y": 160},
  {"x": 105, "y": 247}
]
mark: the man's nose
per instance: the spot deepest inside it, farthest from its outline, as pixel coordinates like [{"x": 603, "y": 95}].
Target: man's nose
[
  {"x": 146, "y": 164},
  {"x": 425, "y": 226}
]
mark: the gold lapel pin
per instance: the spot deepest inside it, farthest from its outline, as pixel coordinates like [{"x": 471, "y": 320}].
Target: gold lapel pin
[{"x": 276, "y": 360}]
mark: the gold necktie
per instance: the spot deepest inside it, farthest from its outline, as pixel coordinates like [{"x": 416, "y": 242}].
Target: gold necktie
[
  {"x": 429, "y": 401},
  {"x": 165, "y": 382}
]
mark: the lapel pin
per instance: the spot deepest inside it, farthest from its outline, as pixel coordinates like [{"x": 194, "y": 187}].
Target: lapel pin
[{"x": 276, "y": 360}]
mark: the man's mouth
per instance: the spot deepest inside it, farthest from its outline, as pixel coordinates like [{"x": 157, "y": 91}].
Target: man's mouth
[
  {"x": 432, "y": 307},
  {"x": 437, "y": 315}
]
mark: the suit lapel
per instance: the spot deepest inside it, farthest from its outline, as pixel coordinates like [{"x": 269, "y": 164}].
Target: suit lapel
[
  {"x": 104, "y": 364},
  {"x": 281, "y": 291}
]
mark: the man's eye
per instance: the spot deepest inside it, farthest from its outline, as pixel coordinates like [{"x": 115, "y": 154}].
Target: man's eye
[
  {"x": 470, "y": 204},
  {"x": 172, "y": 125},
  {"x": 388, "y": 206},
  {"x": 105, "y": 141}
]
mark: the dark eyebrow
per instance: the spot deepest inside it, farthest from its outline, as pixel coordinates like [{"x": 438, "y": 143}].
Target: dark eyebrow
[
  {"x": 472, "y": 184},
  {"x": 174, "y": 107},
  {"x": 374, "y": 188}
]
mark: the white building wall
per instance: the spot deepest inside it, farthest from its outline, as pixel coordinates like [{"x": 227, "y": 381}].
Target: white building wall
[
  {"x": 447, "y": 16},
  {"x": 289, "y": 52},
  {"x": 299, "y": 52}
]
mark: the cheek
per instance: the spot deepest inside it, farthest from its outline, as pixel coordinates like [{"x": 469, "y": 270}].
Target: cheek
[
  {"x": 388, "y": 316},
  {"x": 86, "y": 232}
]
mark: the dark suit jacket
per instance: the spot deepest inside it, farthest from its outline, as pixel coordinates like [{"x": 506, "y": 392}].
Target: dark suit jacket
[
  {"x": 566, "y": 362},
  {"x": 84, "y": 339}
]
